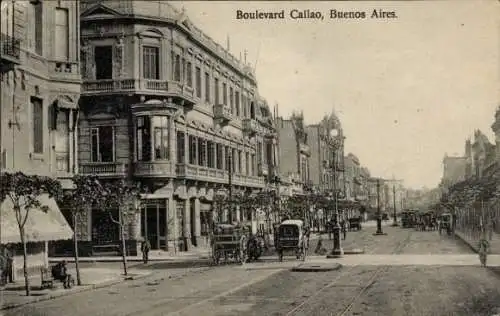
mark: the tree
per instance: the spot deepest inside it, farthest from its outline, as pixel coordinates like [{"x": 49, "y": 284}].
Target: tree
[
  {"x": 24, "y": 192},
  {"x": 88, "y": 193},
  {"x": 120, "y": 194}
]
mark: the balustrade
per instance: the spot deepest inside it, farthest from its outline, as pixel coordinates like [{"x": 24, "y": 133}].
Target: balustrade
[{"x": 103, "y": 169}]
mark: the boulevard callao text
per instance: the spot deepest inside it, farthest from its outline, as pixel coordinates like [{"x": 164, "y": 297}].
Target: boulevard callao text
[{"x": 308, "y": 14}]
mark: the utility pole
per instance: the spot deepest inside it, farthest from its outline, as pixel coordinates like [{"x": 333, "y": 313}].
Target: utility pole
[
  {"x": 379, "y": 214},
  {"x": 395, "y": 222},
  {"x": 230, "y": 183}
]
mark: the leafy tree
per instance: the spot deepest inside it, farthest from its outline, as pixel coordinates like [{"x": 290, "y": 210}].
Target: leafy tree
[
  {"x": 24, "y": 192},
  {"x": 88, "y": 193},
  {"x": 122, "y": 195}
]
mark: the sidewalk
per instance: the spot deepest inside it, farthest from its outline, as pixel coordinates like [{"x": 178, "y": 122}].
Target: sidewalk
[
  {"x": 14, "y": 295},
  {"x": 154, "y": 255},
  {"x": 473, "y": 243}
]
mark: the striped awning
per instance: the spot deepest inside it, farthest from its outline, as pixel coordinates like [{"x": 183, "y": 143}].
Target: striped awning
[{"x": 40, "y": 226}]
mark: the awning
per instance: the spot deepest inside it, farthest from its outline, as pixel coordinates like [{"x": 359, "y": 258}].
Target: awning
[
  {"x": 40, "y": 226},
  {"x": 65, "y": 103}
]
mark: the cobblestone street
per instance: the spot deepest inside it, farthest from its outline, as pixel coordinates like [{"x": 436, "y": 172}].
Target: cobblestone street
[{"x": 270, "y": 288}]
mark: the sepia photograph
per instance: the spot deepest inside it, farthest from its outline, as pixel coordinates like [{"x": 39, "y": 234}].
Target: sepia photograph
[{"x": 253, "y": 158}]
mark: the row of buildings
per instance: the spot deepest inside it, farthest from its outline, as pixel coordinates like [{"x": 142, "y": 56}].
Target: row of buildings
[
  {"x": 480, "y": 159},
  {"x": 133, "y": 90}
]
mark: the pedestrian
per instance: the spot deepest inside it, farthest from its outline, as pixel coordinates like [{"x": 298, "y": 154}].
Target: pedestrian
[
  {"x": 484, "y": 248},
  {"x": 343, "y": 227},
  {"x": 145, "y": 247},
  {"x": 60, "y": 272},
  {"x": 329, "y": 228},
  {"x": 8, "y": 265}
]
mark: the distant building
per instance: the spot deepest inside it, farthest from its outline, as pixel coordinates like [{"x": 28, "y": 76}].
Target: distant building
[
  {"x": 326, "y": 163},
  {"x": 454, "y": 170},
  {"x": 293, "y": 150}
]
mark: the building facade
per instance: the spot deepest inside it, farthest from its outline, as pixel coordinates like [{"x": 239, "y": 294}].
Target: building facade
[
  {"x": 293, "y": 151},
  {"x": 165, "y": 106},
  {"x": 326, "y": 162},
  {"x": 40, "y": 89}
]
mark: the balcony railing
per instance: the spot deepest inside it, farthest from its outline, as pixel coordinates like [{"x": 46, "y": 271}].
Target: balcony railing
[
  {"x": 154, "y": 169},
  {"x": 103, "y": 169},
  {"x": 10, "y": 48},
  {"x": 250, "y": 126},
  {"x": 202, "y": 173},
  {"x": 162, "y": 87}
]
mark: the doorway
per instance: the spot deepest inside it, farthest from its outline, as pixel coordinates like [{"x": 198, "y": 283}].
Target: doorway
[{"x": 154, "y": 224}]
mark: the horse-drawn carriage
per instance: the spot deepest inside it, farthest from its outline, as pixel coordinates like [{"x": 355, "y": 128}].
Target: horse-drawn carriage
[
  {"x": 445, "y": 223},
  {"x": 291, "y": 237},
  {"x": 355, "y": 223},
  {"x": 409, "y": 218},
  {"x": 228, "y": 243}
]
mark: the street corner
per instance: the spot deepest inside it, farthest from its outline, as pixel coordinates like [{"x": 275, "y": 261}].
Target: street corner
[
  {"x": 316, "y": 267},
  {"x": 355, "y": 251}
]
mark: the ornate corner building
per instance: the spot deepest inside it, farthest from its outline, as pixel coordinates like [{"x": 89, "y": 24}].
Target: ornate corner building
[{"x": 164, "y": 105}]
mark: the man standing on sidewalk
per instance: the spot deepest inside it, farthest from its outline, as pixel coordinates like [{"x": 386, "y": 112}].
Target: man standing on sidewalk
[{"x": 145, "y": 247}]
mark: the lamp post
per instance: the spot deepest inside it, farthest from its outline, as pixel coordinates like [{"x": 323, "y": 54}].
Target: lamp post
[
  {"x": 337, "y": 250},
  {"x": 395, "y": 222},
  {"x": 379, "y": 214}
]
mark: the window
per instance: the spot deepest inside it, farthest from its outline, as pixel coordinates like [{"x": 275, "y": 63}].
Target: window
[
  {"x": 181, "y": 152},
  {"x": 227, "y": 155},
  {"x": 143, "y": 138},
  {"x": 234, "y": 162},
  {"x": 189, "y": 74},
  {"x": 62, "y": 34},
  {"x": 160, "y": 125},
  {"x": 207, "y": 87},
  {"x": 231, "y": 100},
  {"x": 254, "y": 169},
  {"x": 245, "y": 109},
  {"x": 103, "y": 56},
  {"x": 150, "y": 62},
  {"x": 198, "y": 82},
  {"x": 192, "y": 150},
  {"x": 7, "y": 15},
  {"x": 224, "y": 93},
  {"x": 102, "y": 143},
  {"x": 35, "y": 27},
  {"x": 247, "y": 164},
  {"x": 219, "y": 156},
  {"x": 37, "y": 124},
  {"x": 259, "y": 151},
  {"x": 237, "y": 102},
  {"x": 216, "y": 90},
  {"x": 177, "y": 68},
  {"x": 210, "y": 154},
  {"x": 240, "y": 164},
  {"x": 202, "y": 152}
]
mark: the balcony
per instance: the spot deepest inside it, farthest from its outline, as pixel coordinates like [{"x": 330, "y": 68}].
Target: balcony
[
  {"x": 250, "y": 126},
  {"x": 103, "y": 169},
  {"x": 154, "y": 169},
  {"x": 10, "y": 49},
  {"x": 201, "y": 173},
  {"x": 141, "y": 86},
  {"x": 222, "y": 114}
]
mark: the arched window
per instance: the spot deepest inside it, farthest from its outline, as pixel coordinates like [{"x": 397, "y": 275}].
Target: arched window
[{"x": 252, "y": 110}]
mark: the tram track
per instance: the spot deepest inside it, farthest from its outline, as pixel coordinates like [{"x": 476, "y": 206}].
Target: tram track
[{"x": 352, "y": 300}]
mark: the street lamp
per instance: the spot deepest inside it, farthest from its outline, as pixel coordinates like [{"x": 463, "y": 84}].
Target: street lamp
[
  {"x": 395, "y": 222},
  {"x": 379, "y": 214},
  {"x": 337, "y": 250}
]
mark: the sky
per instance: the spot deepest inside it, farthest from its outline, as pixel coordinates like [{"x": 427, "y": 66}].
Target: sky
[{"x": 407, "y": 90}]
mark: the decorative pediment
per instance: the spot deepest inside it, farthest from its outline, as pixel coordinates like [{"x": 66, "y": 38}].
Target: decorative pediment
[
  {"x": 150, "y": 32},
  {"x": 100, "y": 10}
]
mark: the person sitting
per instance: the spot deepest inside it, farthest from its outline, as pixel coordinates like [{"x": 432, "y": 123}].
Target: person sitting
[{"x": 60, "y": 272}]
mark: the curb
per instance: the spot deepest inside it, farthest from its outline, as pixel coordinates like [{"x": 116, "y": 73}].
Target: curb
[
  {"x": 81, "y": 289},
  {"x": 97, "y": 260},
  {"x": 466, "y": 242},
  {"x": 316, "y": 268},
  {"x": 346, "y": 252}
]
